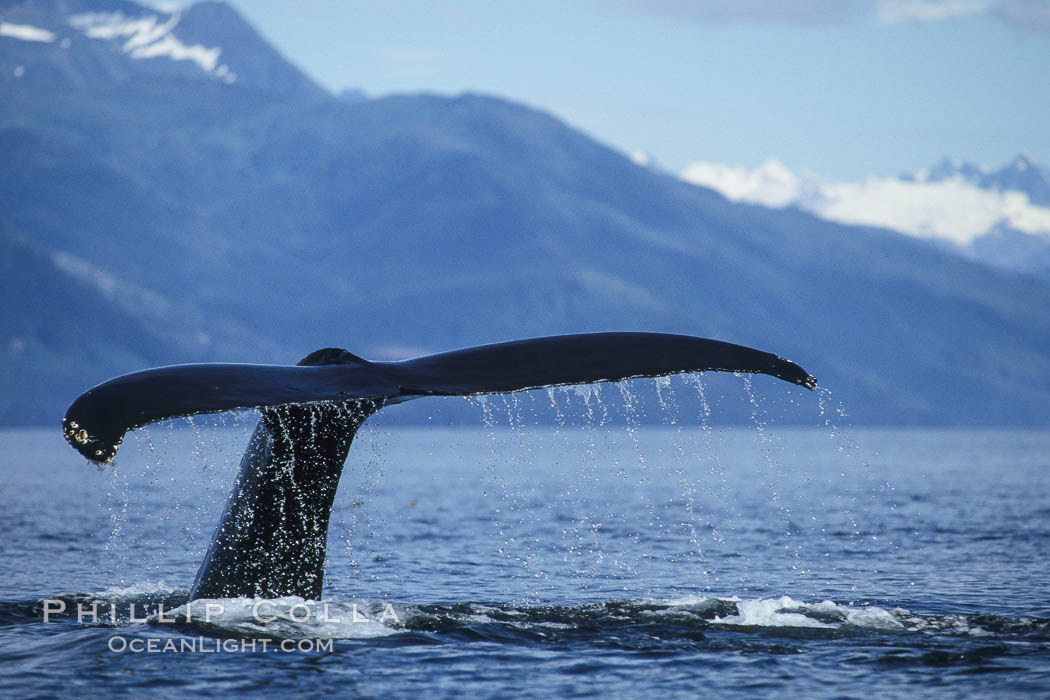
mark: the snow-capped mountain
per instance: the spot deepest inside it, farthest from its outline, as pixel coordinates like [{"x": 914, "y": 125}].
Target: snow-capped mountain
[
  {"x": 154, "y": 210},
  {"x": 1022, "y": 174},
  {"x": 998, "y": 215},
  {"x": 88, "y": 44}
]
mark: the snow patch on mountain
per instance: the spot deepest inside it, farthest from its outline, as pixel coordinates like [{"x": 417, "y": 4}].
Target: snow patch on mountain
[
  {"x": 138, "y": 301},
  {"x": 951, "y": 207},
  {"x": 26, "y": 32},
  {"x": 151, "y": 36}
]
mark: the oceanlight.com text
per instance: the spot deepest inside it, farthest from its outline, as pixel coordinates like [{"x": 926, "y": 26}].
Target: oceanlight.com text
[{"x": 205, "y": 645}]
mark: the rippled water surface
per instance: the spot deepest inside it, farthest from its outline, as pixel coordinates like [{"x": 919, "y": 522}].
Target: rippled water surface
[{"x": 515, "y": 557}]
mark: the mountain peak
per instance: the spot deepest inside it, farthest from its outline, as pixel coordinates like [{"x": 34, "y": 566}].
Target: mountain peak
[
  {"x": 1022, "y": 161},
  {"x": 1025, "y": 175},
  {"x": 256, "y": 63},
  {"x": 948, "y": 168},
  {"x": 1021, "y": 174},
  {"x": 100, "y": 43}
]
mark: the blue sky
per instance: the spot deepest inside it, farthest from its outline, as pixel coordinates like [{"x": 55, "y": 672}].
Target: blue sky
[{"x": 845, "y": 88}]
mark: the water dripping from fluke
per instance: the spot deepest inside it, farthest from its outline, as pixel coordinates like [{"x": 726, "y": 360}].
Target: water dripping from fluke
[{"x": 271, "y": 538}]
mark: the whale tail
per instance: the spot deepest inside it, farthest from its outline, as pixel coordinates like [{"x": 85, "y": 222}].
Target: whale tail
[{"x": 271, "y": 539}]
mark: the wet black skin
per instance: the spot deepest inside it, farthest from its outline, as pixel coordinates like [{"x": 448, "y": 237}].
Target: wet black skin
[{"x": 271, "y": 539}]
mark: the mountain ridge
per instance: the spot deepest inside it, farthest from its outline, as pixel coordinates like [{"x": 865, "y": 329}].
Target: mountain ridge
[
  {"x": 273, "y": 224},
  {"x": 1020, "y": 174}
]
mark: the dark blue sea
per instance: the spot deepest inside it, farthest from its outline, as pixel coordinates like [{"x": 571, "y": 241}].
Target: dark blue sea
[{"x": 588, "y": 555}]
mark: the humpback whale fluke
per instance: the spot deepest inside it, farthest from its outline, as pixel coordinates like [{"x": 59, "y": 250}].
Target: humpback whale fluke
[{"x": 271, "y": 539}]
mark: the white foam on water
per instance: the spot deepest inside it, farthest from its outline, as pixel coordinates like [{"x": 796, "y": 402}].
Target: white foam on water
[
  {"x": 873, "y": 618},
  {"x": 771, "y": 612},
  {"x": 290, "y": 617},
  {"x": 788, "y": 612}
]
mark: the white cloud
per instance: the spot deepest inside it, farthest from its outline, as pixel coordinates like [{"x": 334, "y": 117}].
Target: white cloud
[
  {"x": 26, "y": 32},
  {"x": 771, "y": 184},
  {"x": 640, "y": 157},
  {"x": 903, "y": 11},
  {"x": 951, "y": 209}
]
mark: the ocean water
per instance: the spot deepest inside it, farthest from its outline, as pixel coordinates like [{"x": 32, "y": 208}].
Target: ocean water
[{"x": 513, "y": 556}]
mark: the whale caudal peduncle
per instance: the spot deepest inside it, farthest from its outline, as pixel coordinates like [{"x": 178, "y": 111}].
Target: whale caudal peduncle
[{"x": 271, "y": 539}]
